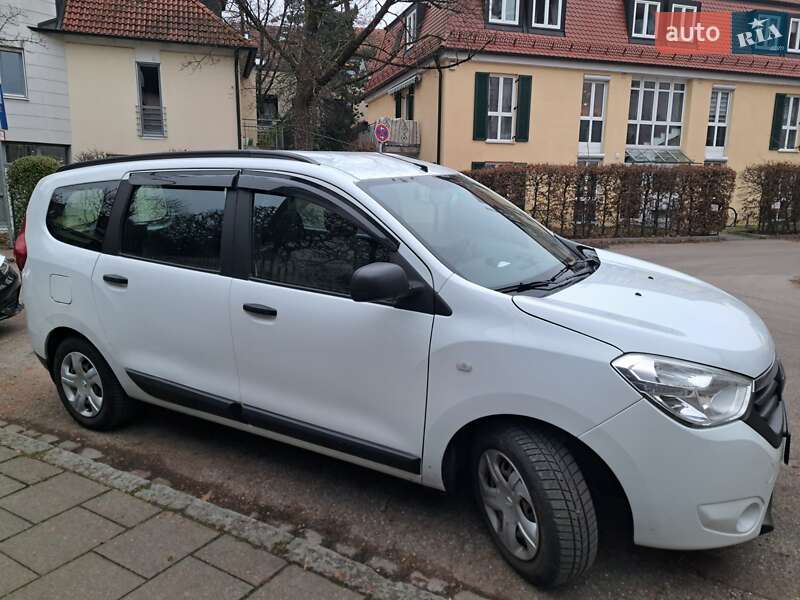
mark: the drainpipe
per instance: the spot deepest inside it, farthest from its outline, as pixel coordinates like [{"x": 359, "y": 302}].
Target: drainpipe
[
  {"x": 238, "y": 99},
  {"x": 439, "y": 114}
]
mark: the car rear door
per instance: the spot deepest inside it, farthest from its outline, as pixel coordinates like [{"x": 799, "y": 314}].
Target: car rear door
[
  {"x": 161, "y": 289},
  {"x": 314, "y": 364}
]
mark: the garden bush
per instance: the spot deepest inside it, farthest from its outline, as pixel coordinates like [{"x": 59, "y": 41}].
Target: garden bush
[
  {"x": 772, "y": 197},
  {"x": 617, "y": 200},
  {"x": 23, "y": 175}
]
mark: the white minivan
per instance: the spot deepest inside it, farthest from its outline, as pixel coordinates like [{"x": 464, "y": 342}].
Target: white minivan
[{"x": 401, "y": 316}]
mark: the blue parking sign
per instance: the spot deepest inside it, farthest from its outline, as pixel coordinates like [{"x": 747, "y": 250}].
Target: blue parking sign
[{"x": 3, "y": 117}]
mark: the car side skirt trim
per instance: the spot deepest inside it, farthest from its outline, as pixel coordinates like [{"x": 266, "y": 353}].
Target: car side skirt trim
[{"x": 180, "y": 395}]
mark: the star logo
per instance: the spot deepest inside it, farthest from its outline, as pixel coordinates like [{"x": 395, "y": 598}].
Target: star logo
[{"x": 757, "y": 23}]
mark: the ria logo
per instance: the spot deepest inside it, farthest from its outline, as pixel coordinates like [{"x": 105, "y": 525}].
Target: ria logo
[{"x": 759, "y": 32}]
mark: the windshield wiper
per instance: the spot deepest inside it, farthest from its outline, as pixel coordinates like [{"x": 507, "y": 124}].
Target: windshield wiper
[{"x": 548, "y": 283}]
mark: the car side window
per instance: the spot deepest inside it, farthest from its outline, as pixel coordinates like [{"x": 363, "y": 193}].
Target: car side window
[
  {"x": 78, "y": 214},
  {"x": 302, "y": 241},
  {"x": 179, "y": 226}
]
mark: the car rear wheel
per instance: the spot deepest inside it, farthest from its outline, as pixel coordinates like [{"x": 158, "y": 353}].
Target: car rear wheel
[
  {"x": 88, "y": 387},
  {"x": 535, "y": 501}
]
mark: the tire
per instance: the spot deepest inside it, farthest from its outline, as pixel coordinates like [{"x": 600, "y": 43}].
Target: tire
[
  {"x": 548, "y": 502},
  {"x": 88, "y": 387}
]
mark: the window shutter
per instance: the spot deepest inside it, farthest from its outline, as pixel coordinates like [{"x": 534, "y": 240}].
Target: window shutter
[
  {"x": 777, "y": 122},
  {"x": 398, "y": 105},
  {"x": 524, "y": 88},
  {"x": 410, "y": 104},
  {"x": 421, "y": 10},
  {"x": 480, "y": 114}
]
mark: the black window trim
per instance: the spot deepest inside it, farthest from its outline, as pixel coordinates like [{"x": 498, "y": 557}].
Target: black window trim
[
  {"x": 184, "y": 179},
  {"x": 525, "y": 22}
]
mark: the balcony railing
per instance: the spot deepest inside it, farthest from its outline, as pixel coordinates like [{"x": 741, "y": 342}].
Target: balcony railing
[
  {"x": 266, "y": 134},
  {"x": 151, "y": 121},
  {"x": 404, "y": 136}
]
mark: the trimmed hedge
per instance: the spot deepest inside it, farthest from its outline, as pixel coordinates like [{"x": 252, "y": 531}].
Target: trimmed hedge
[
  {"x": 617, "y": 200},
  {"x": 773, "y": 197},
  {"x": 23, "y": 175}
]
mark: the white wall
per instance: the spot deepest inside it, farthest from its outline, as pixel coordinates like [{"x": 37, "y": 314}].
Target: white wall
[{"x": 44, "y": 116}]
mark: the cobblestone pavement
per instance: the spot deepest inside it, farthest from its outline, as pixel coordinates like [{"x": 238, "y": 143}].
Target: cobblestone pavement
[{"x": 73, "y": 528}]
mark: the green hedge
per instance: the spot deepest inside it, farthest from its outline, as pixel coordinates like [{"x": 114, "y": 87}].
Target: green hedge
[
  {"x": 773, "y": 196},
  {"x": 617, "y": 200},
  {"x": 23, "y": 175}
]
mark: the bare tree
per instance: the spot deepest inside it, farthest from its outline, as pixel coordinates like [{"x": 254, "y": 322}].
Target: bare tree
[
  {"x": 11, "y": 19},
  {"x": 322, "y": 46}
]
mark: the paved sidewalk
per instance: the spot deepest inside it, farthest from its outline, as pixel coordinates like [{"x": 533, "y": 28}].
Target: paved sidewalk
[{"x": 73, "y": 528}]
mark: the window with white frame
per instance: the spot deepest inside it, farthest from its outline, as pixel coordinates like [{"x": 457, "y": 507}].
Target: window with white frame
[
  {"x": 410, "y": 31},
  {"x": 502, "y": 93},
  {"x": 655, "y": 113},
  {"x": 547, "y": 13},
  {"x": 793, "y": 44},
  {"x": 504, "y": 12},
  {"x": 683, "y": 15},
  {"x": 717, "y": 132},
  {"x": 590, "y": 134},
  {"x": 644, "y": 18},
  {"x": 790, "y": 124},
  {"x": 12, "y": 72}
]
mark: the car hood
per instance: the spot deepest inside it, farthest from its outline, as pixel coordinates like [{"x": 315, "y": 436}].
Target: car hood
[{"x": 641, "y": 307}]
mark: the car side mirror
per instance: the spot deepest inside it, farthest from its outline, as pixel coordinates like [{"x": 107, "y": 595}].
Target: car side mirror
[{"x": 379, "y": 281}]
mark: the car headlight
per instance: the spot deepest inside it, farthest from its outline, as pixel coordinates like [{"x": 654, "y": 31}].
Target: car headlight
[{"x": 695, "y": 394}]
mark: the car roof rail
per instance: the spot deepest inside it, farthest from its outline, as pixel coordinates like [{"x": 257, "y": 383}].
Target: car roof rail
[
  {"x": 279, "y": 154},
  {"x": 406, "y": 159}
]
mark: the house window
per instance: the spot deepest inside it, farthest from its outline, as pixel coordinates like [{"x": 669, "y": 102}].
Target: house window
[
  {"x": 12, "y": 73},
  {"x": 717, "y": 133},
  {"x": 501, "y": 108},
  {"x": 547, "y": 13},
  {"x": 791, "y": 116},
  {"x": 683, "y": 15},
  {"x": 655, "y": 113},
  {"x": 269, "y": 108},
  {"x": 504, "y": 12},
  {"x": 410, "y": 32},
  {"x": 644, "y": 18},
  {"x": 590, "y": 135},
  {"x": 794, "y": 36},
  {"x": 151, "y": 111}
]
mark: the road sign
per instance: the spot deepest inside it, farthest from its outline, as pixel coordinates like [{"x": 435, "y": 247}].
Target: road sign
[{"x": 382, "y": 133}]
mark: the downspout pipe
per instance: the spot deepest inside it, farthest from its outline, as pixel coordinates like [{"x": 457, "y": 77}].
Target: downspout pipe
[
  {"x": 439, "y": 112},
  {"x": 238, "y": 99}
]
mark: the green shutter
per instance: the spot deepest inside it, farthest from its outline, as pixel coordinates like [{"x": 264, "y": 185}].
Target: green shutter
[
  {"x": 480, "y": 114},
  {"x": 777, "y": 122},
  {"x": 398, "y": 105},
  {"x": 410, "y": 104},
  {"x": 524, "y": 88}
]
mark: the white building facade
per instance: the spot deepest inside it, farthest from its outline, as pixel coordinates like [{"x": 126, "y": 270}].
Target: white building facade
[{"x": 33, "y": 72}]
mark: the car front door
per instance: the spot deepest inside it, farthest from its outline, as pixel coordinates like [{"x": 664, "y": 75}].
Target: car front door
[
  {"x": 161, "y": 290},
  {"x": 314, "y": 364}
]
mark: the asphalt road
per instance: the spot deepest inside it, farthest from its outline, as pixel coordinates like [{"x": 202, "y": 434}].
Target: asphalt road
[{"x": 436, "y": 533}]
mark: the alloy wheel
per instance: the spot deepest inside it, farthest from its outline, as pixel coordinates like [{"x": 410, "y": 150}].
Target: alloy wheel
[
  {"x": 82, "y": 384},
  {"x": 508, "y": 504}
]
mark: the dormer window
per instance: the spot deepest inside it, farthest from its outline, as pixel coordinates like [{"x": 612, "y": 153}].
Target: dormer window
[
  {"x": 794, "y": 36},
  {"x": 410, "y": 31},
  {"x": 504, "y": 12},
  {"x": 644, "y": 19},
  {"x": 547, "y": 14}
]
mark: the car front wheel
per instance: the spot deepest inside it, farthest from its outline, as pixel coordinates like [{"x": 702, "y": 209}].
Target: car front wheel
[{"x": 535, "y": 502}]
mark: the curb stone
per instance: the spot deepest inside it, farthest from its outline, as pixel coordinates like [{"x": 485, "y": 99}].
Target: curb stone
[{"x": 308, "y": 555}]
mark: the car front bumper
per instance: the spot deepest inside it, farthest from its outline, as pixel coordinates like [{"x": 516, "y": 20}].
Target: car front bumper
[
  {"x": 689, "y": 488},
  {"x": 9, "y": 294}
]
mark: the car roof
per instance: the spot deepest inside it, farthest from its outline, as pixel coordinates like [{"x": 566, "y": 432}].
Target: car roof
[{"x": 356, "y": 165}]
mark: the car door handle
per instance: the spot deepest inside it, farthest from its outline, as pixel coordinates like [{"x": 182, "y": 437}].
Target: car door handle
[
  {"x": 116, "y": 280},
  {"x": 260, "y": 310}
]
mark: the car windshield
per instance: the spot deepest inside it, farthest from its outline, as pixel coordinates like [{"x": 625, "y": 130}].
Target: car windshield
[{"x": 474, "y": 231}]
